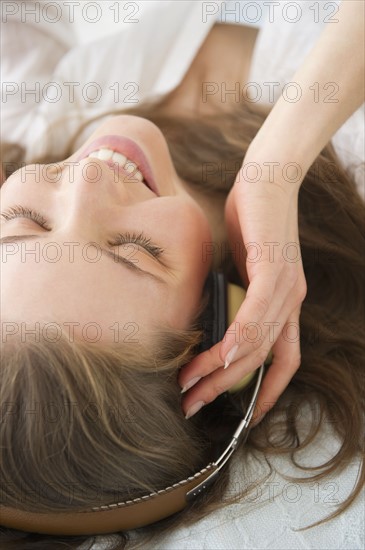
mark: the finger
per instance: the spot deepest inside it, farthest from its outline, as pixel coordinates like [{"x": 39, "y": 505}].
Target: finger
[
  {"x": 220, "y": 380},
  {"x": 210, "y": 360},
  {"x": 207, "y": 390},
  {"x": 286, "y": 361},
  {"x": 249, "y": 335},
  {"x": 202, "y": 365},
  {"x": 252, "y": 333},
  {"x": 255, "y": 306}
]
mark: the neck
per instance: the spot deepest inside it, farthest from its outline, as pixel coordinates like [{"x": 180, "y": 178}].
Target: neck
[
  {"x": 224, "y": 42},
  {"x": 234, "y": 43}
]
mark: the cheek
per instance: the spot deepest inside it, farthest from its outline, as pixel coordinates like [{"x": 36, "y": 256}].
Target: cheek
[
  {"x": 190, "y": 238},
  {"x": 188, "y": 224},
  {"x": 23, "y": 185},
  {"x": 198, "y": 229},
  {"x": 4, "y": 187}
]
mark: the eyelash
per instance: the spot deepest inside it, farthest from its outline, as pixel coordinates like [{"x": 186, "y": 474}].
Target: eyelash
[
  {"x": 140, "y": 239},
  {"x": 22, "y": 212},
  {"x": 122, "y": 238}
]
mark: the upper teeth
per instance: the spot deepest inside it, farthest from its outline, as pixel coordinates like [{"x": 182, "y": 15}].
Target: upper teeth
[{"x": 118, "y": 158}]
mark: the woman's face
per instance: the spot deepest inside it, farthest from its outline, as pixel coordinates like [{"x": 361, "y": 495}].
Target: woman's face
[{"x": 72, "y": 272}]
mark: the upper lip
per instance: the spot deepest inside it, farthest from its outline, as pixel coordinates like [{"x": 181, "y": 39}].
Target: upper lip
[{"x": 128, "y": 148}]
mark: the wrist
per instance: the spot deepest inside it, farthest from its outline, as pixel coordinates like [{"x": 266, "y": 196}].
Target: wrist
[{"x": 272, "y": 167}]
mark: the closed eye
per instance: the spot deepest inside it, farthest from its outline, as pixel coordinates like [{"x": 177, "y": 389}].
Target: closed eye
[
  {"x": 19, "y": 211},
  {"x": 139, "y": 239}
]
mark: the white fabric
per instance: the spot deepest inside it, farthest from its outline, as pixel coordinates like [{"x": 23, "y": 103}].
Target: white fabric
[
  {"x": 243, "y": 12},
  {"x": 144, "y": 60},
  {"x": 154, "y": 54},
  {"x": 142, "y": 54}
]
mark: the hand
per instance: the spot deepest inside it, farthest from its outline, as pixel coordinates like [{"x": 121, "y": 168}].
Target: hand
[{"x": 262, "y": 215}]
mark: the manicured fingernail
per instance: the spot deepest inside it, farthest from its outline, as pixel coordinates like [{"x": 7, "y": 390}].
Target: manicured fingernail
[
  {"x": 194, "y": 409},
  {"x": 191, "y": 383},
  {"x": 230, "y": 355}
]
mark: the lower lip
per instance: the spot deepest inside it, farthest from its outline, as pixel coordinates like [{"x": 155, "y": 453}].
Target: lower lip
[{"x": 126, "y": 147}]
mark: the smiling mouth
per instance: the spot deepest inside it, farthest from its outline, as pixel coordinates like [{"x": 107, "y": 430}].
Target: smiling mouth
[{"x": 120, "y": 162}]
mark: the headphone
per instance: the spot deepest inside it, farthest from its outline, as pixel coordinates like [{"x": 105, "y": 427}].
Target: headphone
[{"x": 139, "y": 512}]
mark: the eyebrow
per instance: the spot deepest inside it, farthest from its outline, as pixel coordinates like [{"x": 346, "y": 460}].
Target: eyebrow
[{"x": 108, "y": 253}]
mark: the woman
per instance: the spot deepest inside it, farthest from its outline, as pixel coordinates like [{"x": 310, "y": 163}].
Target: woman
[{"x": 161, "y": 334}]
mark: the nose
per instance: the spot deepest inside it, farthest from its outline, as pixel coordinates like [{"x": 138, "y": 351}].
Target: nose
[
  {"x": 93, "y": 179},
  {"x": 90, "y": 190}
]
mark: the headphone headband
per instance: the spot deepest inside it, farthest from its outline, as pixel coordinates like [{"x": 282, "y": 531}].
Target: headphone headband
[{"x": 148, "y": 509}]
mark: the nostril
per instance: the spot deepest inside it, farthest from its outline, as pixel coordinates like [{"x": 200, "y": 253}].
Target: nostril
[{"x": 52, "y": 173}]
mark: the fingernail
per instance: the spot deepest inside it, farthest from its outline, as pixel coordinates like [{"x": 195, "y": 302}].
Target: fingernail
[
  {"x": 194, "y": 409},
  {"x": 191, "y": 383},
  {"x": 230, "y": 355}
]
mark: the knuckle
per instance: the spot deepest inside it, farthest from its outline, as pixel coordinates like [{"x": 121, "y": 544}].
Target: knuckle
[
  {"x": 261, "y": 305},
  {"x": 302, "y": 290},
  {"x": 209, "y": 363},
  {"x": 210, "y": 360},
  {"x": 292, "y": 276},
  {"x": 296, "y": 362},
  {"x": 299, "y": 288},
  {"x": 256, "y": 344},
  {"x": 296, "y": 280},
  {"x": 214, "y": 357},
  {"x": 216, "y": 389},
  {"x": 252, "y": 334}
]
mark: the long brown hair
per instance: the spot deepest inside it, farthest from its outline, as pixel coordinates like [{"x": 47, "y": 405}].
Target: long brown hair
[{"x": 330, "y": 379}]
